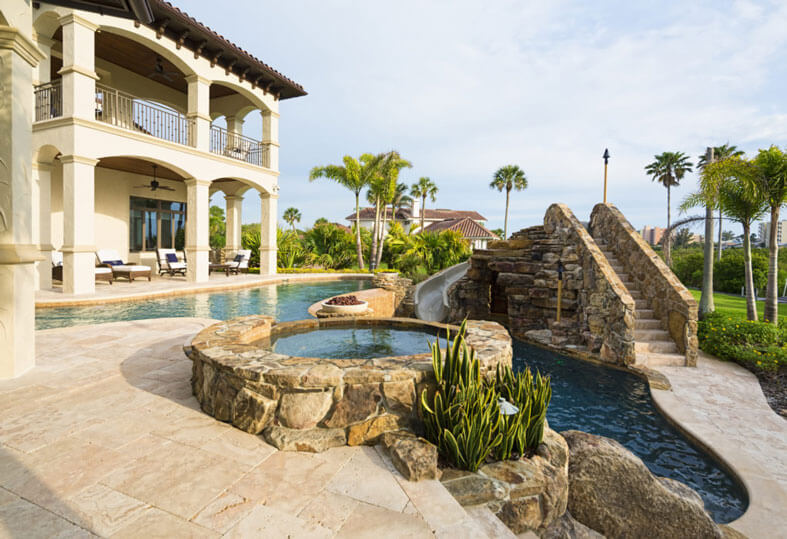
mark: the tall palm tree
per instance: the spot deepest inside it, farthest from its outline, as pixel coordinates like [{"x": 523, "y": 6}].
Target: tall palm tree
[
  {"x": 389, "y": 166},
  {"x": 507, "y": 178},
  {"x": 732, "y": 182},
  {"x": 355, "y": 175},
  {"x": 720, "y": 153},
  {"x": 772, "y": 184},
  {"x": 401, "y": 199},
  {"x": 669, "y": 168},
  {"x": 292, "y": 216},
  {"x": 424, "y": 188}
]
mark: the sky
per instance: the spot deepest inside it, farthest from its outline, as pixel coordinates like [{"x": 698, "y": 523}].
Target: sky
[{"x": 462, "y": 88}]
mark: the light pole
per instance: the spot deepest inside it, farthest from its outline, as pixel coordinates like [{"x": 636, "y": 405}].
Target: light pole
[{"x": 606, "y": 162}]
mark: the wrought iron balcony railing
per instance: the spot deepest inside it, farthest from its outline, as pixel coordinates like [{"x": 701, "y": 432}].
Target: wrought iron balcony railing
[
  {"x": 48, "y": 101},
  {"x": 236, "y": 146}
]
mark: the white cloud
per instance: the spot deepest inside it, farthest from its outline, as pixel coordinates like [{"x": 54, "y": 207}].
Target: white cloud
[{"x": 462, "y": 88}]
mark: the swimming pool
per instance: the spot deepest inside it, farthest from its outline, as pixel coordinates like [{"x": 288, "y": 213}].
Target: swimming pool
[
  {"x": 285, "y": 302},
  {"x": 616, "y": 404}
]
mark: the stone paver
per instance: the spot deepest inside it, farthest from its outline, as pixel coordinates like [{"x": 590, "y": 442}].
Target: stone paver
[
  {"x": 173, "y": 286},
  {"x": 722, "y": 405},
  {"x": 104, "y": 438}
]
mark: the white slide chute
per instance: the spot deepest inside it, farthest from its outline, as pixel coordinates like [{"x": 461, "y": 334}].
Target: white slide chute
[{"x": 431, "y": 296}]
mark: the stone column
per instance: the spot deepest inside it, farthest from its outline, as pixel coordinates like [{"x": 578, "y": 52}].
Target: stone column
[
  {"x": 42, "y": 223},
  {"x": 270, "y": 137},
  {"x": 197, "y": 229},
  {"x": 268, "y": 218},
  {"x": 79, "y": 250},
  {"x": 18, "y": 253},
  {"x": 234, "y": 209},
  {"x": 199, "y": 111},
  {"x": 42, "y": 73},
  {"x": 78, "y": 71}
]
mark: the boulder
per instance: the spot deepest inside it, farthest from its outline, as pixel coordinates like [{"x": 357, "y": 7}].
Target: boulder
[
  {"x": 567, "y": 528},
  {"x": 310, "y": 440},
  {"x": 368, "y": 432},
  {"x": 614, "y": 493},
  {"x": 302, "y": 410},
  {"x": 358, "y": 403},
  {"x": 415, "y": 458},
  {"x": 251, "y": 411}
]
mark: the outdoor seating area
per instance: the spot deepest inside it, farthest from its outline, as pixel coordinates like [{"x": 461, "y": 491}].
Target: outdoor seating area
[
  {"x": 126, "y": 270},
  {"x": 170, "y": 262}
]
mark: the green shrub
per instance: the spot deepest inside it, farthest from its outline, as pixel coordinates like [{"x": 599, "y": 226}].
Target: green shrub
[
  {"x": 464, "y": 419},
  {"x": 755, "y": 345}
]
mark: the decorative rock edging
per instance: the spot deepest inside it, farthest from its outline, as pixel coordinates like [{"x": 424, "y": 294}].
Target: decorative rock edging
[
  {"x": 526, "y": 494},
  {"x": 313, "y": 403}
]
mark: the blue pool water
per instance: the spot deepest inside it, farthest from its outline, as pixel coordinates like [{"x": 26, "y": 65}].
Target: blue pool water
[
  {"x": 353, "y": 342},
  {"x": 616, "y": 404},
  {"x": 285, "y": 302}
]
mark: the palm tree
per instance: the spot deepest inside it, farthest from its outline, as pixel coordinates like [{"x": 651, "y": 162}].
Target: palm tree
[
  {"x": 508, "y": 177},
  {"x": 401, "y": 199},
  {"x": 424, "y": 188},
  {"x": 382, "y": 192},
  {"x": 772, "y": 185},
  {"x": 733, "y": 182},
  {"x": 292, "y": 216},
  {"x": 668, "y": 168},
  {"x": 719, "y": 153},
  {"x": 355, "y": 176}
]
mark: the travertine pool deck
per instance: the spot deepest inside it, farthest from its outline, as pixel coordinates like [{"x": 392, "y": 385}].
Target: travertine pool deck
[
  {"x": 721, "y": 405},
  {"x": 165, "y": 286},
  {"x": 104, "y": 438}
]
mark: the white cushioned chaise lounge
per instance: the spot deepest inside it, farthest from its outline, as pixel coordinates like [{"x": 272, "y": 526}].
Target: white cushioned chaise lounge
[{"x": 111, "y": 258}]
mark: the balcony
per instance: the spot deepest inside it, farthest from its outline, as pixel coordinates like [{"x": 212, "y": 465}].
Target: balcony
[{"x": 135, "y": 114}]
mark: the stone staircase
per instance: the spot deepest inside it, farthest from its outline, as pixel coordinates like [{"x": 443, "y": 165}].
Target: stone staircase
[{"x": 654, "y": 346}]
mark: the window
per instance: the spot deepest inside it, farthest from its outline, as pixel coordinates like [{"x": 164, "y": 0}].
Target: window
[{"x": 156, "y": 224}]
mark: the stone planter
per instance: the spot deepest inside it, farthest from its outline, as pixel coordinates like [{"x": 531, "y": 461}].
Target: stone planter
[{"x": 345, "y": 309}]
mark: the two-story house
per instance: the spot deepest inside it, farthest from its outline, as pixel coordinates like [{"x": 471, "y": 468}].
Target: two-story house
[{"x": 118, "y": 121}]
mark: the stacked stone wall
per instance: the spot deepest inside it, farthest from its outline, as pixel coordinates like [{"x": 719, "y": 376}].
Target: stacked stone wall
[
  {"x": 515, "y": 282},
  {"x": 671, "y": 302}
]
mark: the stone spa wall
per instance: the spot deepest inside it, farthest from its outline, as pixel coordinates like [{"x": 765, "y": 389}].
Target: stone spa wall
[
  {"x": 311, "y": 404},
  {"x": 515, "y": 282},
  {"x": 671, "y": 302}
]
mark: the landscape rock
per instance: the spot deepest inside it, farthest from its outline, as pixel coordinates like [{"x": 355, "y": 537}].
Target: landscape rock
[
  {"x": 369, "y": 431},
  {"x": 415, "y": 458},
  {"x": 613, "y": 492},
  {"x": 400, "y": 396},
  {"x": 310, "y": 440},
  {"x": 567, "y": 528},
  {"x": 474, "y": 489},
  {"x": 304, "y": 410}
]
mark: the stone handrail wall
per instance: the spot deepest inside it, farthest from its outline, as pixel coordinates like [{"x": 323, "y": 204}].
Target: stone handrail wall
[
  {"x": 671, "y": 302},
  {"x": 605, "y": 308}
]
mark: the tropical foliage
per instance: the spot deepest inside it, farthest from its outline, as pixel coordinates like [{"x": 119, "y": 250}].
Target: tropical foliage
[
  {"x": 423, "y": 189},
  {"x": 725, "y": 151},
  {"x": 424, "y": 253},
  {"x": 463, "y": 417},
  {"x": 505, "y": 179},
  {"x": 217, "y": 227},
  {"x": 668, "y": 169},
  {"x": 758, "y": 346},
  {"x": 292, "y": 216}
]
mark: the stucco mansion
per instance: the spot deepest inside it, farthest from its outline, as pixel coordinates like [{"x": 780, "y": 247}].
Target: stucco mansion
[{"x": 118, "y": 122}]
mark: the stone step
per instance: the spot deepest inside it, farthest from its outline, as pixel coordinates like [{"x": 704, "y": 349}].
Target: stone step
[
  {"x": 641, "y": 303},
  {"x": 644, "y": 313},
  {"x": 636, "y": 294},
  {"x": 617, "y": 267},
  {"x": 647, "y": 323},
  {"x": 489, "y": 522},
  {"x": 630, "y": 285},
  {"x": 660, "y": 360},
  {"x": 651, "y": 334},
  {"x": 623, "y": 276},
  {"x": 658, "y": 347}
]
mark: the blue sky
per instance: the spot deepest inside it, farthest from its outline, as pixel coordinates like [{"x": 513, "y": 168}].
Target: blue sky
[{"x": 462, "y": 88}]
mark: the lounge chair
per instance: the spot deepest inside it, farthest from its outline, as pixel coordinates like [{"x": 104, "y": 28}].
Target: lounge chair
[
  {"x": 240, "y": 263},
  {"x": 111, "y": 258},
  {"x": 103, "y": 273},
  {"x": 168, "y": 262}
]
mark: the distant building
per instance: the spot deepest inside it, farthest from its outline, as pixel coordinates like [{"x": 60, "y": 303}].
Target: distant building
[
  {"x": 652, "y": 234},
  {"x": 765, "y": 232},
  {"x": 477, "y": 235}
]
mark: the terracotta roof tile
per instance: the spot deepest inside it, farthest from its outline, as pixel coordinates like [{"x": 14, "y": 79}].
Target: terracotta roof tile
[
  {"x": 438, "y": 214},
  {"x": 466, "y": 226}
]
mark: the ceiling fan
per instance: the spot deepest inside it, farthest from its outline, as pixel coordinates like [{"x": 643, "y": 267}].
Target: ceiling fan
[
  {"x": 154, "y": 184},
  {"x": 160, "y": 72}
]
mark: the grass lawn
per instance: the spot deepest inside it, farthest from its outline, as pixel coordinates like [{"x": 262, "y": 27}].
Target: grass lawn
[{"x": 736, "y": 305}]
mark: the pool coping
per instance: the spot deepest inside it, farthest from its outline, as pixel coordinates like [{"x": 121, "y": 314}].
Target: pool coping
[
  {"x": 201, "y": 288},
  {"x": 760, "y": 519}
]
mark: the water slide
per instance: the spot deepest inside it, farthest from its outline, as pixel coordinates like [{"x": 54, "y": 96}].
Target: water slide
[{"x": 431, "y": 296}]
